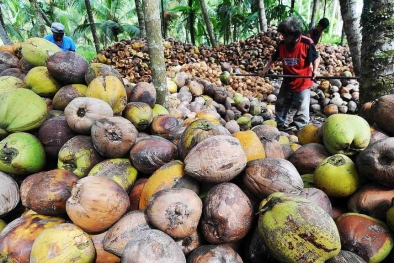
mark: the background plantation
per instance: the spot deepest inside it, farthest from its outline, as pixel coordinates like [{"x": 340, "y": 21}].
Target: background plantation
[{"x": 232, "y": 20}]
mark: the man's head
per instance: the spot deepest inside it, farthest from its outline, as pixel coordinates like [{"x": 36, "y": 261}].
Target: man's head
[
  {"x": 57, "y": 30},
  {"x": 290, "y": 28},
  {"x": 323, "y": 24}
]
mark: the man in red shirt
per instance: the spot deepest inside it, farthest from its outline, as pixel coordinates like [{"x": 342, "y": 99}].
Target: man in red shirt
[{"x": 299, "y": 58}]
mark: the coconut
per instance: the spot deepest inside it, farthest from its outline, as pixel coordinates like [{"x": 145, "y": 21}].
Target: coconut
[
  {"x": 143, "y": 92},
  {"x": 10, "y": 82},
  {"x": 37, "y": 50},
  {"x": 67, "y": 67},
  {"x": 66, "y": 94},
  {"x": 95, "y": 70},
  {"x": 73, "y": 243},
  {"x": 39, "y": 80},
  {"x": 9, "y": 193}
]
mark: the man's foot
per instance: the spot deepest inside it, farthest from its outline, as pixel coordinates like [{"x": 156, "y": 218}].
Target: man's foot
[{"x": 286, "y": 128}]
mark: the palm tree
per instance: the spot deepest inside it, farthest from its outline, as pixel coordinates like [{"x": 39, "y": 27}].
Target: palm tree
[
  {"x": 351, "y": 26},
  {"x": 314, "y": 13},
  {"x": 377, "y": 69},
  {"x": 141, "y": 19},
  {"x": 92, "y": 26},
  {"x": 208, "y": 23},
  {"x": 156, "y": 50},
  {"x": 262, "y": 16},
  {"x": 108, "y": 16}
]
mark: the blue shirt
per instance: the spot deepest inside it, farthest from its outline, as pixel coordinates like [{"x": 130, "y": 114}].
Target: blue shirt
[{"x": 67, "y": 44}]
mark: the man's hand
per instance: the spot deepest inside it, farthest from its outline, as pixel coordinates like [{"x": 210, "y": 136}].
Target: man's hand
[
  {"x": 315, "y": 73},
  {"x": 263, "y": 72}
]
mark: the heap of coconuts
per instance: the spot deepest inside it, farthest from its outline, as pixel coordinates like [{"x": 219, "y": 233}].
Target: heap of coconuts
[
  {"x": 92, "y": 167},
  {"x": 218, "y": 66}
]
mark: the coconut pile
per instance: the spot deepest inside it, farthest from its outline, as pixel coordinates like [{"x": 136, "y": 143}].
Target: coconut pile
[
  {"x": 131, "y": 59},
  {"x": 94, "y": 168}
]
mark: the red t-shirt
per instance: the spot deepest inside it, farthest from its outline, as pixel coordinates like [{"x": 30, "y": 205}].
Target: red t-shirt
[{"x": 297, "y": 61}]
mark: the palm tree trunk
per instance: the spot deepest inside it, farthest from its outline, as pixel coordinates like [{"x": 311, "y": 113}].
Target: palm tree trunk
[
  {"x": 334, "y": 12},
  {"x": 44, "y": 16},
  {"x": 377, "y": 71},
  {"x": 3, "y": 33},
  {"x": 314, "y": 13},
  {"x": 262, "y": 16},
  {"x": 292, "y": 6},
  {"x": 156, "y": 50},
  {"x": 208, "y": 23},
  {"x": 141, "y": 19},
  {"x": 92, "y": 26},
  {"x": 191, "y": 23},
  {"x": 163, "y": 21},
  {"x": 351, "y": 26}
]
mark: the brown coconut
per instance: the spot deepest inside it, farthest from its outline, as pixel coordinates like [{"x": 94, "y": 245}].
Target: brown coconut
[
  {"x": 190, "y": 243},
  {"x": 130, "y": 225},
  {"x": 371, "y": 199},
  {"x": 66, "y": 94},
  {"x": 164, "y": 124},
  {"x": 317, "y": 197},
  {"x": 214, "y": 253},
  {"x": 308, "y": 157},
  {"x": 150, "y": 153},
  {"x": 135, "y": 193},
  {"x": 153, "y": 246},
  {"x": 68, "y": 67},
  {"x": 174, "y": 211},
  {"x": 14, "y": 72},
  {"x": 113, "y": 137},
  {"x": 54, "y": 133},
  {"x": 375, "y": 162},
  {"x": 143, "y": 92},
  {"x": 102, "y": 256},
  {"x": 9, "y": 59},
  {"x": 92, "y": 198},
  {"x": 227, "y": 214},
  {"x": 266, "y": 176},
  {"x": 47, "y": 192},
  {"x": 356, "y": 232},
  {"x": 217, "y": 159},
  {"x": 382, "y": 110}
]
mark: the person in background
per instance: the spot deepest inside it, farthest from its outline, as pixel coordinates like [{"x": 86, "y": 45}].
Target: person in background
[
  {"x": 58, "y": 37},
  {"x": 299, "y": 58},
  {"x": 316, "y": 32}
]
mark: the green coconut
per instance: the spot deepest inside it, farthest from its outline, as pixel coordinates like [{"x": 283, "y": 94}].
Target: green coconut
[
  {"x": 37, "y": 50},
  {"x": 10, "y": 82},
  {"x": 139, "y": 113},
  {"x": 21, "y": 110},
  {"x": 21, "y": 153},
  {"x": 159, "y": 109},
  {"x": 41, "y": 82}
]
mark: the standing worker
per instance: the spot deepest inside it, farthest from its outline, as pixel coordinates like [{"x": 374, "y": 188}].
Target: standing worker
[
  {"x": 316, "y": 32},
  {"x": 57, "y": 37},
  {"x": 297, "y": 54}
]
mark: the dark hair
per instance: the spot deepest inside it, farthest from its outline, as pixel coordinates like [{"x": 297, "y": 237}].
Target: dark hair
[
  {"x": 291, "y": 26},
  {"x": 324, "y": 22}
]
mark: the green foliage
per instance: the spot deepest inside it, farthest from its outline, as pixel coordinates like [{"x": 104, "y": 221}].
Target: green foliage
[
  {"x": 330, "y": 39},
  {"x": 232, "y": 20},
  {"x": 87, "y": 51}
]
